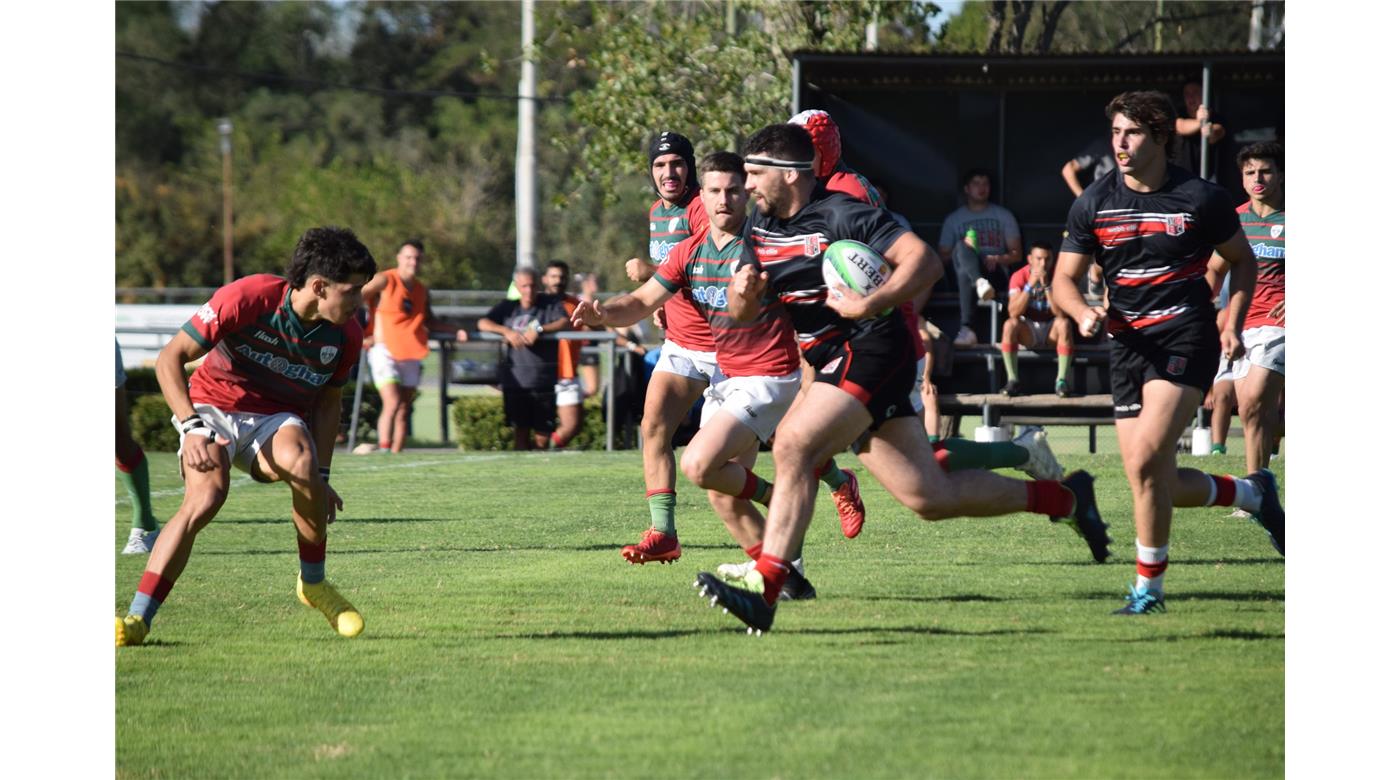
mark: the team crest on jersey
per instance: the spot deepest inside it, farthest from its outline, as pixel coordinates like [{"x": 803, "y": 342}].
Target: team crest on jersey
[
  {"x": 206, "y": 314},
  {"x": 328, "y": 354},
  {"x": 829, "y": 367},
  {"x": 1176, "y": 365},
  {"x": 1176, "y": 224},
  {"x": 813, "y": 244},
  {"x": 1275, "y": 231}
]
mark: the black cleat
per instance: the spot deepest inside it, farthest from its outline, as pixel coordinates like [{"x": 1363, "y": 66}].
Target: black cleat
[
  {"x": 1013, "y": 388},
  {"x": 797, "y": 588},
  {"x": 746, "y": 605},
  {"x": 1270, "y": 514},
  {"x": 1087, "y": 522}
]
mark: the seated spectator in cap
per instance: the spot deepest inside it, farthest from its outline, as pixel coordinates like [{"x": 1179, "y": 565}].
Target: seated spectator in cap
[{"x": 982, "y": 242}]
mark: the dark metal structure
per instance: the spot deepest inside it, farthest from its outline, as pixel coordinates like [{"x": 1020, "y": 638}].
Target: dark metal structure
[{"x": 915, "y": 123}]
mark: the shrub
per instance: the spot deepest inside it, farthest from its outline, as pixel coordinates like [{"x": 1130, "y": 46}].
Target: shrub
[
  {"x": 150, "y": 423},
  {"x": 480, "y": 423}
]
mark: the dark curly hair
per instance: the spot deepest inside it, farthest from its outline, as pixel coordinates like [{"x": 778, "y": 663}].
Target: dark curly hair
[
  {"x": 332, "y": 252},
  {"x": 1263, "y": 150},
  {"x": 1151, "y": 109}
]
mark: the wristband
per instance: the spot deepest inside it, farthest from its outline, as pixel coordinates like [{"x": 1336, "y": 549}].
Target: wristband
[{"x": 195, "y": 425}]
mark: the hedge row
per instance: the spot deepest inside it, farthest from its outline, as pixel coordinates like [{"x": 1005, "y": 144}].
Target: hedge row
[{"x": 480, "y": 421}]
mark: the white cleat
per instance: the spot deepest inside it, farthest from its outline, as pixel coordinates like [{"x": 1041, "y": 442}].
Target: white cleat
[
  {"x": 1042, "y": 463},
  {"x": 140, "y": 542},
  {"x": 734, "y": 572}
]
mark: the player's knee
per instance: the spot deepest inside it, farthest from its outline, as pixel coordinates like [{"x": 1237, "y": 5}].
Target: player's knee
[
  {"x": 931, "y": 509},
  {"x": 791, "y": 454},
  {"x": 697, "y": 468}
]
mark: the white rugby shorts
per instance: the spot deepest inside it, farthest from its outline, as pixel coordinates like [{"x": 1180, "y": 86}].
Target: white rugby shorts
[
  {"x": 247, "y": 433},
  {"x": 689, "y": 363},
  {"x": 568, "y": 392},
  {"x": 759, "y": 402},
  {"x": 1263, "y": 347},
  {"x": 384, "y": 369}
]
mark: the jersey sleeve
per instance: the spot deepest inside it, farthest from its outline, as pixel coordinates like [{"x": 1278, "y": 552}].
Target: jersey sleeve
[
  {"x": 1219, "y": 219},
  {"x": 1079, "y": 228},
  {"x": 671, "y": 274},
  {"x": 232, "y": 307},
  {"x": 1019, "y": 279},
  {"x": 349, "y": 353},
  {"x": 696, "y": 217},
  {"x": 867, "y": 224}
]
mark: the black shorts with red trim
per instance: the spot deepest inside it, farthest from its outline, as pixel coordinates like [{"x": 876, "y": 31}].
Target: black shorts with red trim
[
  {"x": 1184, "y": 353},
  {"x": 876, "y": 366}
]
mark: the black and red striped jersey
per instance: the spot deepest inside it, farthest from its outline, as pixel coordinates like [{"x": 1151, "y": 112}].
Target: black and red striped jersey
[
  {"x": 1153, "y": 246},
  {"x": 790, "y": 250}
]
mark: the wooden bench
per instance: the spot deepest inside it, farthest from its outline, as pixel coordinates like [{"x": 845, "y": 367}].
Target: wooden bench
[{"x": 1041, "y": 409}]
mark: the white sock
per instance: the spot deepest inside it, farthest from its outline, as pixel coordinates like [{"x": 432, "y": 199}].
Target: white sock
[
  {"x": 1147, "y": 554},
  {"x": 1247, "y": 494},
  {"x": 1210, "y": 497}
]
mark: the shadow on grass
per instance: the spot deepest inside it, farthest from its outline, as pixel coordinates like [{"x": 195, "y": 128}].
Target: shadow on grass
[
  {"x": 1220, "y": 633},
  {"x": 433, "y": 549},
  {"x": 1198, "y": 595},
  {"x": 1118, "y": 558},
  {"x": 868, "y": 630},
  {"x": 957, "y": 597}
]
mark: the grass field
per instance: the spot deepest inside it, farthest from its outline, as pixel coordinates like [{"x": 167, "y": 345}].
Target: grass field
[{"x": 506, "y": 637}]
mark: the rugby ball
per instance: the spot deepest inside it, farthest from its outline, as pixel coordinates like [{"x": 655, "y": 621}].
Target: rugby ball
[{"x": 855, "y": 265}]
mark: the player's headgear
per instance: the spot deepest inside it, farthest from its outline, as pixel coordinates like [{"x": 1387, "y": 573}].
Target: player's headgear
[
  {"x": 674, "y": 143},
  {"x": 826, "y": 137}
]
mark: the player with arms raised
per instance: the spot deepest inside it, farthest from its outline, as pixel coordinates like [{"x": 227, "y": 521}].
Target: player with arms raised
[
  {"x": 266, "y": 400},
  {"x": 1152, "y": 227}
]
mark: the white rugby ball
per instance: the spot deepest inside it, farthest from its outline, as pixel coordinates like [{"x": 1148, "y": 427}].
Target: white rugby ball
[{"x": 855, "y": 265}]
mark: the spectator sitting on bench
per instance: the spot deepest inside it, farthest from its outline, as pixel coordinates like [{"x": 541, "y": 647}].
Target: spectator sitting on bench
[
  {"x": 1032, "y": 320},
  {"x": 982, "y": 242}
]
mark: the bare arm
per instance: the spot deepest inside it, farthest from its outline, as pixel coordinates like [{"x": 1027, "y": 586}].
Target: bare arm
[
  {"x": 626, "y": 309},
  {"x": 1012, "y": 255},
  {"x": 1064, "y": 293},
  {"x": 915, "y": 270},
  {"x": 325, "y": 424},
  {"x": 1070, "y": 173},
  {"x": 488, "y": 325},
  {"x": 1243, "y": 271},
  {"x": 1016, "y": 304},
  {"x": 746, "y": 292},
  {"x": 170, "y": 372}
]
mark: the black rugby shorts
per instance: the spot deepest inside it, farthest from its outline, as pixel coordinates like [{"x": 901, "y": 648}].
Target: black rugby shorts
[{"x": 1185, "y": 353}]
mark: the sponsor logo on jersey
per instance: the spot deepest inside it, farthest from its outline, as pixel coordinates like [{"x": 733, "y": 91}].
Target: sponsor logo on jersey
[
  {"x": 1267, "y": 251},
  {"x": 1128, "y": 408},
  {"x": 1275, "y": 231},
  {"x": 328, "y": 353},
  {"x": 659, "y": 250},
  {"x": 714, "y": 296},
  {"x": 829, "y": 367},
  {"x": 1176, "y": 365},
  {"x": 1176, "y": 224},
  {"x": 280, "y": 365},
  {"x": 206, "y": 314},
  {"x": 268, "y": 337}
]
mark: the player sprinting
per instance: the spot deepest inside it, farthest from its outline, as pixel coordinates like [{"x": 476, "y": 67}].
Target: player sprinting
[
  {"x": 1152, "y": 227},
  {"x": 865, "y": 370},
  {"x": 267, "y": 400},
  {"x": 757, "y": 359}
]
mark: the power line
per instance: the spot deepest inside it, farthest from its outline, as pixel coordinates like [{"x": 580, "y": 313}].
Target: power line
[{"x": 321, "y": 84}]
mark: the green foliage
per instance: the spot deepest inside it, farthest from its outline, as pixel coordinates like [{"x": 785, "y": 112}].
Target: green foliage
[
  {"x": 480, "y": 424},
  {"x": 150, "y": 423},
  {"x": 694, "y": 68},
  {"x": 1119, "y": 26}
]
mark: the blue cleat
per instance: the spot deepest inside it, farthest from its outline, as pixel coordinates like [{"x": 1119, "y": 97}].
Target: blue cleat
[
  {"x": 743, "y": 603},
  {"x": 1141, "y": 602},
  {"x": 1270, "y": 514}
]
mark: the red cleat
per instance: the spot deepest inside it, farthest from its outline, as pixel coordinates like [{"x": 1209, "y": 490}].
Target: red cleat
[
  {"x": 849, "y": 507},
  {"x": 654, "y": 546}
]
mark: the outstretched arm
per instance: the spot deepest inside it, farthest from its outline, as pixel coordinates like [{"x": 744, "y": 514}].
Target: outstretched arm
[{"x": 626, "y": 309}]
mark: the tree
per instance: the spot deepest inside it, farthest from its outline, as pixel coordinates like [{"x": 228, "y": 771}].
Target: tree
[{"x": 1117, "y": 26}]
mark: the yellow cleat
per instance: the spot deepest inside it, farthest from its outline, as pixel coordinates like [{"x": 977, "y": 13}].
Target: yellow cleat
[
  {"x": 131, "y": 630},
  {"x": 343, "y": 617}
]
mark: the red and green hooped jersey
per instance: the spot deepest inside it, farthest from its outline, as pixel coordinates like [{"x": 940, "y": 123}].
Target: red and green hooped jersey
[
  {"x": 263, "y": 359},
  {"x": 670, "y": 225},
  {"x": 764, "y": 346},
  {"x": 1265, "y": 236}
]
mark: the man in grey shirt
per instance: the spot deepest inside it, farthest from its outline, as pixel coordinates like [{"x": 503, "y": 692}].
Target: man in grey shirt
[{"x": 983, "y": 243}]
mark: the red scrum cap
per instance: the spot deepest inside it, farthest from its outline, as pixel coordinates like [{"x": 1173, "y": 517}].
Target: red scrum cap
[{"x": 826, "y": 137}]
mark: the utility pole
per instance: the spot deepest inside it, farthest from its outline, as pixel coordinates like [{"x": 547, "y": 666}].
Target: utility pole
[
  {"x": 525, "y": 143},
  {"x": 226, "y": 147},
  {"x": 1158, "y": 25}
]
